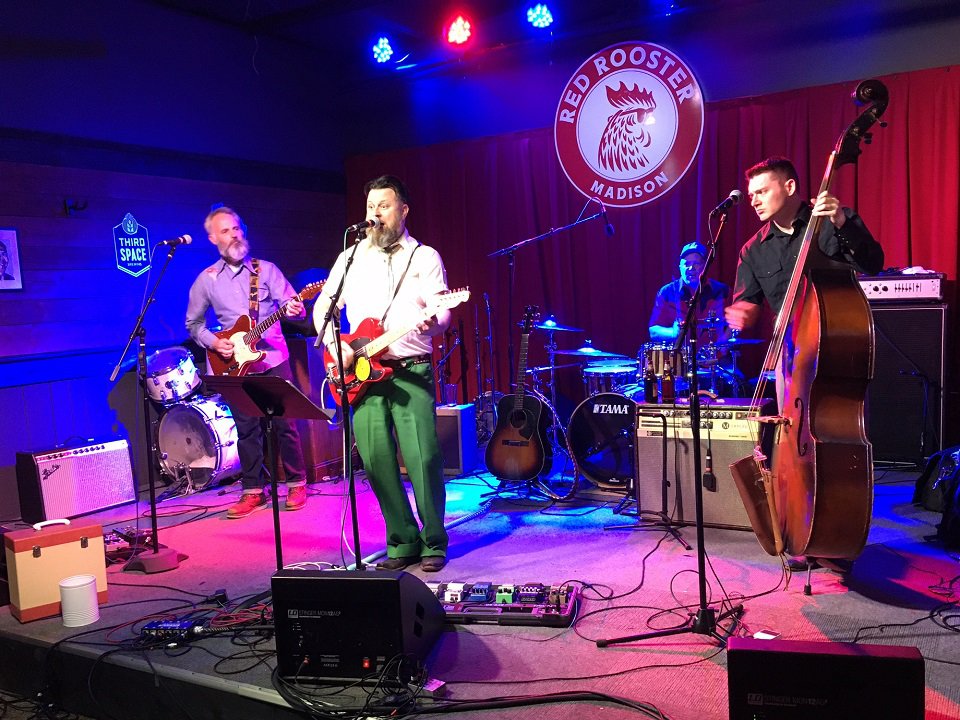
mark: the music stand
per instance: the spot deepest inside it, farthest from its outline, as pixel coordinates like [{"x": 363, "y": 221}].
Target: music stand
[{"x": 267, "y": 396}]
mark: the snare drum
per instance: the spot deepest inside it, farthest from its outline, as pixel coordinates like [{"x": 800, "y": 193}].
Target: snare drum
[
  {"x": 171, "y": 375},
  {"x": 199, "y": 438},
  {"x": 603, "y": 377}
]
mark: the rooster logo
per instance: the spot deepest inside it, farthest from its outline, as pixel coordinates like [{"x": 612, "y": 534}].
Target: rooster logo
[{"x": 625, "y": 137}]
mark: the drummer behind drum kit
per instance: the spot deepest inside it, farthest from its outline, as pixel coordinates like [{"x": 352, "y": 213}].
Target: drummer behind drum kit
[
  {"x": 196, "y": 436},
  {"x": 602, "y": 427}
]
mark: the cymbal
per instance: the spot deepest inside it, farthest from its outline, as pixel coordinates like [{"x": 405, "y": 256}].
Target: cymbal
[
  {"x": 737, "y": 341},
  {"x": 550, "y": 324},
  {"x": 589, "y": 351}
]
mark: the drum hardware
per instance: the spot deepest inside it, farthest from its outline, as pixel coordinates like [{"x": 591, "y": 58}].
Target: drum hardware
[
  {"x": 487, "y": 396},
  {"x": 171, "y": 375}
]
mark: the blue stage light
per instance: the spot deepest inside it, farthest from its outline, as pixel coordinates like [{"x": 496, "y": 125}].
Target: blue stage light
[
  {"x": 382, "y": 50},
  {"x": 539, "y": 16}
]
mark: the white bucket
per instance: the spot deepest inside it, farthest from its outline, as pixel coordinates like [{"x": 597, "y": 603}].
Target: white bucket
[{"x": 78, "y": 600}]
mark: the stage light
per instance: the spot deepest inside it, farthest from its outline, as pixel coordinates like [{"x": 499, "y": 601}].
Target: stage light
[
  {"x": 382, "y": 50},
  {"x": 459, "y": 31},
  {"x": 539, "y": 16}
]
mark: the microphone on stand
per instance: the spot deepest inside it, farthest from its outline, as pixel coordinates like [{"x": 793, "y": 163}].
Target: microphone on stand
[
  {"x": 709, "y": 479},
  {"x": 182, "y": 240},
  {"x": 732, "y": 199},
  {"x": 607, "y": 226},
  {"x": 371, "y": 223}
]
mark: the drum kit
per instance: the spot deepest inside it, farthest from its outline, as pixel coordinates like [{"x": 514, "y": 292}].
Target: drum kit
[
  {"x": 196, "y": 436},
  {"x": 600, "y": 431}
]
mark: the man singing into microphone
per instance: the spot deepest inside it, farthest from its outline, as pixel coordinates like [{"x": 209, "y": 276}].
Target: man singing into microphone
[
  {"x": 234, "y": 286},
  {"x": 392, "y": 278}
]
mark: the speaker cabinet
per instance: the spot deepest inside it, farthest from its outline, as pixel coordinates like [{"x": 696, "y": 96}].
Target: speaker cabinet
[
  {"x": 340, "y": 624},
  {"x": 905, "y": 401},
  {"x": 69, "y": 483},
  {"x": 724, "y": 431},
  {"x": 457, "y": 432},
  {"x": 796, "y": 680}
]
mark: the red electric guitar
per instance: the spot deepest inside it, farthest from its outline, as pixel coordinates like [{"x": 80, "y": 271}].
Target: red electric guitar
[
  {"x": 369, "y": 341},
  {"x": 245, "y": 338}
]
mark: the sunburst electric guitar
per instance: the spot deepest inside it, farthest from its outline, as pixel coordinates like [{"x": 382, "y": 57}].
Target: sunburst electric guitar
[
  {"x": 370, "y": 341},
  {"x": 245, "y": 338}
]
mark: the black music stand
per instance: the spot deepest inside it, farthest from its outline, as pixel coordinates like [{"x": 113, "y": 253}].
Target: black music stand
[{"x": 267, "y": 396}]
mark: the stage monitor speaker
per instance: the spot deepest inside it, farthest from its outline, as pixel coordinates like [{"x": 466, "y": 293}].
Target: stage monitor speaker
[
  {"x": 457, "y": 432},
  {"x": 67, "y": 483},
  {"x": 905, "y": 401},
  {"x": 797, "y": 680},
  {"x": 724, "y": 430},
  {"x": 349, "y": 624}
]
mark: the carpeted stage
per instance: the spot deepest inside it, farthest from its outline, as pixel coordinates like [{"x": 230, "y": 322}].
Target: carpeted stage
[{"x": 902, "y": 591}]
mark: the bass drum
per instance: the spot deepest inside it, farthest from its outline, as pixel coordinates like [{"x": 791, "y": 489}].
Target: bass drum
[
  {"x": 601, "y": 435},
  {"x": 199, "y": 440}
]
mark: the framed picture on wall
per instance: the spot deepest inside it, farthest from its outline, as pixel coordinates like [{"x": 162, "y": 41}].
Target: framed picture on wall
[{"x": 10, "y": 277}]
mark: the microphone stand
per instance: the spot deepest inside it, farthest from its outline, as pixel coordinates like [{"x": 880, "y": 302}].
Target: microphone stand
[
  {"x": 705, "y": 620},
  {"x": 161, "y": 558},
  {"x": 509, "y": 252},
  {"x": 347, "y": 418}
]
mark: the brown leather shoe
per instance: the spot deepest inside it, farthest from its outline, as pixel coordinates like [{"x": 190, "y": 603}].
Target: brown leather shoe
[
  {"x": 296, "y": 497},
  {"x": 248, "y": 503},
  {"x": 397, "y": 563},
  {"x": 433, "y": 563}
]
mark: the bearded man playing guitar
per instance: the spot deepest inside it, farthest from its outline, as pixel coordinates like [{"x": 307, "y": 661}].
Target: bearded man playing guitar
[
  {"x": 231, "y": 287},
  {"x": 392, "y": 283}
]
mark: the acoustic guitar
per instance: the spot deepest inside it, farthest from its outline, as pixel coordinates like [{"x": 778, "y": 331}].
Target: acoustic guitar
[{"x": 518, "y": 449}]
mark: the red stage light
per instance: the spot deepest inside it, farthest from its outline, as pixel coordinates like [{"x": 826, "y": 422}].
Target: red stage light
[{"x": 459, "y": 30}]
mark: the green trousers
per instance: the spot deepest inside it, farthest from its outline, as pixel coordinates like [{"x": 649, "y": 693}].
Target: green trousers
[{"x": 404, "y": 404}]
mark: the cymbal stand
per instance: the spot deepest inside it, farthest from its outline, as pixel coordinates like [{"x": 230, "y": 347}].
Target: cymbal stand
[{"x": 556, "y": 431}]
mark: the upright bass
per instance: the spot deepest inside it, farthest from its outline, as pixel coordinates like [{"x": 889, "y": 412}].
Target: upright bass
[{"x": 809, "y": 491}]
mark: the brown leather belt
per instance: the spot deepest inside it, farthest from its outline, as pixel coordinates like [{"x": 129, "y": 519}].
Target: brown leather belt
[{"x": 406, "y": 362}]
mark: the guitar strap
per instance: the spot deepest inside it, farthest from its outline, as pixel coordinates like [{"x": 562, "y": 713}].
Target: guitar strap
[
  {"x": 399, "y": 283},
  {"x": 254, "y": 294}
]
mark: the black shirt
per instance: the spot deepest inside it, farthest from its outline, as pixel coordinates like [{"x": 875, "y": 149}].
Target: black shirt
[{"x": 768, "y": 258}]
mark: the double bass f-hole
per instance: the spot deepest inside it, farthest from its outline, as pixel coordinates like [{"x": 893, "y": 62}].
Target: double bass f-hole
[{"x": 801, "y": 447}]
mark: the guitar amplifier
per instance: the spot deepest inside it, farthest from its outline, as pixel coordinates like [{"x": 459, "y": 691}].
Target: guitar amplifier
[
  {"x": 67, "y": 483},
  {"x": 457, "y": 432},
  {"x": 725, "y": 431}
]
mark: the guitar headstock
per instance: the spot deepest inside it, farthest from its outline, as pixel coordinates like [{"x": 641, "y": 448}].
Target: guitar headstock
[
  {"x": 531, "y": 313},
  {"x": 449, "y": 299},
  {"x": 312, "y": 290}
]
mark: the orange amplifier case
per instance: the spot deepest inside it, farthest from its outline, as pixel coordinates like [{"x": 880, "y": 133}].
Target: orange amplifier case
[{"x": 38, "y": 558}]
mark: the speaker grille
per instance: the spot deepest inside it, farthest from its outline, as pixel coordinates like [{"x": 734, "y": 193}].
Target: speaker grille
[
  {"x": 74, "y": 482},
  {"x": 905, "y": 400}
]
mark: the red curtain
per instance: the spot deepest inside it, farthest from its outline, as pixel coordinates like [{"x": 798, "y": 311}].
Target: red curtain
[{"x": 471, "y": 198}]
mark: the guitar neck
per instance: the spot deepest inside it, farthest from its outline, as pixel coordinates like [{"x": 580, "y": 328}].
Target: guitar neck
[
  {"x": 257, "y": 331},
  {"x": 521, "y": 371}
]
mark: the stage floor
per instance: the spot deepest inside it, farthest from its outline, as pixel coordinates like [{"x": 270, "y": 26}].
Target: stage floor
[{"x": 632, "y": 581}]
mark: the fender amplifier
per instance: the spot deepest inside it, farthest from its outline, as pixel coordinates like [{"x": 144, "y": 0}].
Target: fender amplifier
[{"x": 67, "y": 483}]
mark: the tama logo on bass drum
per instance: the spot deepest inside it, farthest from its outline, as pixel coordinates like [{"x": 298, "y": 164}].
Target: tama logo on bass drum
[{"x": 610, "y": 409}]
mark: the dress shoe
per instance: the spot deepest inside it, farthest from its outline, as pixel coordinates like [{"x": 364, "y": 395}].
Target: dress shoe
[
  {"x": 433, "y": 563},
  {"x": 397, "y": 563}
]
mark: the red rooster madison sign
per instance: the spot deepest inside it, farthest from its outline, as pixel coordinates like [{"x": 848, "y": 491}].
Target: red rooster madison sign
[{"x": 629, "y": 124}]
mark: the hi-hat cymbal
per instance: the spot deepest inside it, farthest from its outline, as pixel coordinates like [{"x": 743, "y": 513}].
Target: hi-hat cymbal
[
  {"x": 545, "y": 368},
  {"x": 589, "y": 351}
]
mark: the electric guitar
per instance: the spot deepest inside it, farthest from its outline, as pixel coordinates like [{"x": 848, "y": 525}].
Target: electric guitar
[
  {"x": 518, "y": 449},
  {"x": 370, "y": 341},
  {"x": 245, "y": 338}
]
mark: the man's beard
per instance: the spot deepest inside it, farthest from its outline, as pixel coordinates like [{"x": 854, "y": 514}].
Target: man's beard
[
  {"x": 236, "y": 252},
  {"x": 383, "y": 236}
]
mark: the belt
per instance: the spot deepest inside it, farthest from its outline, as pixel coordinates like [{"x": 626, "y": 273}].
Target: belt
[{"x": 406, "y": 362}]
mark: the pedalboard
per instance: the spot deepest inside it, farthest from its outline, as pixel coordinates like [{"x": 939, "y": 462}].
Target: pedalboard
[{"x": 532, "y": 603}]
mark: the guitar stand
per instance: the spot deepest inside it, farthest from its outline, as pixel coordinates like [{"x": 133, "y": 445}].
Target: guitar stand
[{"x": 662, "y": 518}]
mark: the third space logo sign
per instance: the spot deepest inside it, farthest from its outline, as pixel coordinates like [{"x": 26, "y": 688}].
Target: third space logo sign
[{"x": 629, "y": 124}]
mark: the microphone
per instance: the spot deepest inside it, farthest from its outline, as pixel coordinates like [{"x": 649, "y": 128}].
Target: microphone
[
  {"x": 709, "y": 479},
  {"x": 732, "y": 199},
  {"x": 371, "y": 223},
  {"x": 608, "y": 228},
  {"x": 182, "y": 240}
]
